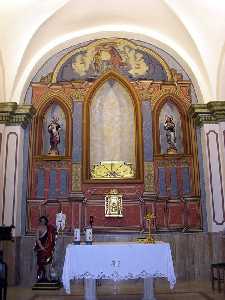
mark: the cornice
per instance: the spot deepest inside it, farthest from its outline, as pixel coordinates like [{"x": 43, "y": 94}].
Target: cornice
[
  {"x": 13, "y": 114},
  {"x": 211, "y": 112}
]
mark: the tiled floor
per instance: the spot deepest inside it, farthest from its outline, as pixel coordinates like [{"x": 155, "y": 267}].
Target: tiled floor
[{"x": 131, "y": 290}]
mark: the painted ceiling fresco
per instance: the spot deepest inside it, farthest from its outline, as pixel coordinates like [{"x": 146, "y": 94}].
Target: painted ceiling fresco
[{"x": 133, "y": 61}]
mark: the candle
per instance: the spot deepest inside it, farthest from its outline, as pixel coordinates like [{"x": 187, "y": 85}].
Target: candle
[
  {"x": 76, "y": 234},
  {"x": 88, "y": 235},
  {"x": 91, "y": 220}
]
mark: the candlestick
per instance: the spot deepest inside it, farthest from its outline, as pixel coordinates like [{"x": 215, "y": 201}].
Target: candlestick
[
  {"x": 77, "y": 235},
  {"x": 91, "y": 221},
  {"x": 88, "y": 236}
]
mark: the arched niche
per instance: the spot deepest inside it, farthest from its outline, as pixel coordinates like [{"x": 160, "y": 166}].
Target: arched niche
[
  {"x": 169, "y": 111},
  {"x": 112, "y": 127},
  {"x": 54, "y": 107},
  {"x": 171, "y": 106}
]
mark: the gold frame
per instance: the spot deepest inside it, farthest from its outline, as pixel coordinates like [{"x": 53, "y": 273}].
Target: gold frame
[
  {"x": 112, "y": 74},
  {"x": 112, "y": 197}
]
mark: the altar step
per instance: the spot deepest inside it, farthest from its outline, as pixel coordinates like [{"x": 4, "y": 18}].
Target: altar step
[{"x": 51, "y": 286}]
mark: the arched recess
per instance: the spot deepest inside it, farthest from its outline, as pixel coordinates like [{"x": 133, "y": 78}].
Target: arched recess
[
  {"x": 37, "y": 130},
  {"x": 182, "y": 108},
  {"x": 113, "y": 75}
]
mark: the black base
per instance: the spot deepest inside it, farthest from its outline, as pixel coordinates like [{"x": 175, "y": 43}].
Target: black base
[
  {"x": 76, "y": 242},
  {"x": 88, "y": 242},
  {"x": 47, "y": 285}
]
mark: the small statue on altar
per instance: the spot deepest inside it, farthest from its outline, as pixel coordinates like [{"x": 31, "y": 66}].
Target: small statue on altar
[
  {"x": 60, "y": 222},
  {"x": 44, "y": 247},
  {"x": 170, "y": 128},
  {"x": 53, "y": 129}
]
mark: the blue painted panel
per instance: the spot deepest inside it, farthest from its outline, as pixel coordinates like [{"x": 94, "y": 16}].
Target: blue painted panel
[
  {"x": 40, "y": 183},
  {"x": 52, "y": 184},
  {"x": 77, "y": 131},
  {"x": 162, "y": 182},
  {"x": 186, "y": 180},
  {"x": 174, "y": 187},
  {"x": 64, "y": 182},
  {"x": 147, "y": 130}
]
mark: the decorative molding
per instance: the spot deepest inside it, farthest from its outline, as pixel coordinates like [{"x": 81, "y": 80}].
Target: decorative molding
[
  {"x": 212, "y": 112},
  {"x": 156, "y": 90},
  {"x": 149, "y": 180},
  {"x": 138, "y": 128},
  {"x": 213, "y": 188},
  {"x": 14, "y": 178},
  {"x": 13, "y": 114},
  {"x": 76, "y": 177}
]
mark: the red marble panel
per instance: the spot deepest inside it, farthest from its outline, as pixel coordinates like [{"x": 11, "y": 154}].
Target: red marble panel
[
  {"x": 76, "y": 214},
  {"x": 34, "y": 184},
  {"x": 34, "y": 212},
  {"x": 193, "y": 215},
  {"x": 131, "y": 216},
  {"x": 175, "y": 214},
  {"x": 160, "y": 213},
  {"x": 96, "y": 191},
  {"x": 51, "y": 209},
  {"x": 66, "y": 208}
]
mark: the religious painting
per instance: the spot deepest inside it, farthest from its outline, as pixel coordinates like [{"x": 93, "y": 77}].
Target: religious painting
[
  {"x": 127, "y": 58},
  {"x": 171, "y": 137},
  {"x": 54, "y": 131},
  {"x": 112, "y": 128}
]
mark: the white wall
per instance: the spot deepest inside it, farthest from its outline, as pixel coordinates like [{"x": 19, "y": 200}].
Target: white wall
[{"x": 192, "y": 31}]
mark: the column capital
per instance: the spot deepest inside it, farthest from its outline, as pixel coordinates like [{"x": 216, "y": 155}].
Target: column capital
[
  {"x": 211, "y": 112},
  {"x": 12, "y": 113}
]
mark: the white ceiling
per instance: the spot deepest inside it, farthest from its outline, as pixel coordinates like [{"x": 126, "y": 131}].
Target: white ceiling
[{"x": 193, "y": 31}]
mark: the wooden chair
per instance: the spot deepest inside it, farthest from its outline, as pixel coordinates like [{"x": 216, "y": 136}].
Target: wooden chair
[{"x": 218, "y": 274}]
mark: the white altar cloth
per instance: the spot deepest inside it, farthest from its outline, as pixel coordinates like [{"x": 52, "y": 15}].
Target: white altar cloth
[{"x": 118, "y": 262}]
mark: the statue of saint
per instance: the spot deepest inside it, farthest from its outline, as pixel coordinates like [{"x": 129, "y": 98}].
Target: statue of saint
[
  {"x": 170, "y": 128},
  {"x": 53, "y": 129},
  {"x": 60, "y": 222},
  {"x": 44, "y": 247}
]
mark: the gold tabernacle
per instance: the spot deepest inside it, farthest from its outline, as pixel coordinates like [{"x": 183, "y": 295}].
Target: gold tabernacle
[
  {"x": 113, "y": 204},
  {"x": 112, "y": 170}
]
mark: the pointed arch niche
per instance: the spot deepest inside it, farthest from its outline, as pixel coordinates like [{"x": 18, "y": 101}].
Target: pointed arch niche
[
  {"x": 112, "y": 129},
  {"x": 57, "y": 107},
  {"x": 171, "y": 106}
]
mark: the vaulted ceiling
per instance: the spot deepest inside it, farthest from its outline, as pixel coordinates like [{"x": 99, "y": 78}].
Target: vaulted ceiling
[{"x": 191, "y": 31}]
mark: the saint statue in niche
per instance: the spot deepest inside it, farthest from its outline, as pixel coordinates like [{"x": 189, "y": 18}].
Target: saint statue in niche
[
  {"x": 53, "y": 129},
  {"x": 170, "y": 128}
]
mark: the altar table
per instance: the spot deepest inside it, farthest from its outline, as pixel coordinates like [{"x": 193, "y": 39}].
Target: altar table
[{"x": 118, "y": 262}]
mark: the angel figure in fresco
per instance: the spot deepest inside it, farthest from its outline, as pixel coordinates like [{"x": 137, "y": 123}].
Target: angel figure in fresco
[
  {"x": 53, "y": 129},
  {"x": 170, "y": 128}
]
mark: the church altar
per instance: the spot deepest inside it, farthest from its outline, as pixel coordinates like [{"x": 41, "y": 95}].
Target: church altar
[{"x": 118, "y": 262}]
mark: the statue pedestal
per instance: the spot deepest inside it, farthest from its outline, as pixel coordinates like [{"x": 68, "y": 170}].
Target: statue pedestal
[{"x": 48, "y": 285}]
